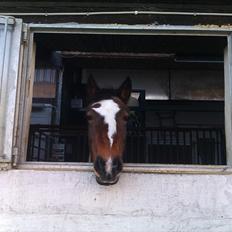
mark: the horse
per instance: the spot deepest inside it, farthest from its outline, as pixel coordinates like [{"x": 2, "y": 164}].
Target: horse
[{"x": 107, "y": 114}]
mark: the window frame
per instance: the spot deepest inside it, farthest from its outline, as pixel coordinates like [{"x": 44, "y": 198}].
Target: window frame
[{"x": 72, "y": 28}]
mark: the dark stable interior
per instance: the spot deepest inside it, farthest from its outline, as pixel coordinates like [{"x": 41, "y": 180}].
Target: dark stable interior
[{"x": 176, "y": 106}]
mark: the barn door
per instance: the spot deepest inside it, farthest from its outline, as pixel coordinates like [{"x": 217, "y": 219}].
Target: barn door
[{"x": 10, "y": 53}]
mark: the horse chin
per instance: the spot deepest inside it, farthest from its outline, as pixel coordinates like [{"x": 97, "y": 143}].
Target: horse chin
[{"x": 107, "y": 182}]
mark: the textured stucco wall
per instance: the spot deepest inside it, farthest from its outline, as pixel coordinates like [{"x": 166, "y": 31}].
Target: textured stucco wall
[{"x": 68, "y": 201}]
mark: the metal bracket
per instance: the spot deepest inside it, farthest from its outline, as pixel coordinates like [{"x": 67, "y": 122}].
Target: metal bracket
[
  {"x": 25, "y": 33},
  {"x": 10, "y": 20}
]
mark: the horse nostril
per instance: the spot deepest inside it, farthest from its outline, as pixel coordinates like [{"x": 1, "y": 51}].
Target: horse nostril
[
  {"x": 99, "y": 167},
  {"x": 117, "y": 165}
]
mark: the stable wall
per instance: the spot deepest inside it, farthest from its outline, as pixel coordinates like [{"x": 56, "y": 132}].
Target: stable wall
[{"x": 67, "y": 201}]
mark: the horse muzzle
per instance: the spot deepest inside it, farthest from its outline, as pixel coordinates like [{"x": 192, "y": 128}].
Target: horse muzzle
[
  {"x": 107, "y": 182},
  {"x": 107, "y": 171}
]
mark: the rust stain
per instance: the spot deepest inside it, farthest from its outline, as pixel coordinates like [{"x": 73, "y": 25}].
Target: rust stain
[{"x": 224, "y": 26}]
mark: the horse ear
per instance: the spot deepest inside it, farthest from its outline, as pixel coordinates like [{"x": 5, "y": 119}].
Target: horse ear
[
  {"x": 91, "y": 88},
  {"x": 124, "y": 90}
]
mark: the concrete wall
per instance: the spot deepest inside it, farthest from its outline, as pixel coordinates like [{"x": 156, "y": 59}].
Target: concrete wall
[{"x": 68, "y": 201}]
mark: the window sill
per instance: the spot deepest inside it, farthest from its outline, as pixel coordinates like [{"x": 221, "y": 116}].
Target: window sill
[{"x": 131, "y": 168}]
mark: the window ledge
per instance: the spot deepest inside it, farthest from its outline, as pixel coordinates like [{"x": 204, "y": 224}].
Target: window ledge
[{"x": 131, "y": 168}]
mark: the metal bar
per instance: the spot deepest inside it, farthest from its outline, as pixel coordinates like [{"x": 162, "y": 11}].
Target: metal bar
[
  {"x": 29, "y": 149},
  {"x": 158, "y": 143},
  {"x": 39, "y": 144},
  {"x": 86, "y": 147},
  {"x": 139, "y": 144},
  {"x": 206, "y": 155},
  {"x": 217, "y": 151},
  {"x": 164, "y": 157},
  {"x": 212, "y": 147},
  {"x": 135, "y": 12},
  {"x": 223, "y": 158},
  {"x": 192, "y": 146},
  {"x": 79, "y": 149},
  {"x": 220, "y": 147},
  {"x": 198, "y": 147},
  {"x": 149, "y": 134},
  {"x": 171, "y": 144},
  {"x": 82, "y": 148},
  {"x": 129, "y": 139},
  {"x": 167, "y": 135},
  {"x": 224, "y": 147},
  {"x": 184, "y": 148},
  {"x": 132, "y": 156},
  {"x": 46, "y": 148},
  {"x": 177, "y": 146},
  {"x": 33, "y": 142}
]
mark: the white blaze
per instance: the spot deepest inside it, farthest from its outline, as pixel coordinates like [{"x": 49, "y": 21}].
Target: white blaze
[
  {"x": 108, "y": 109},
  {"x": 109, "y": 165}
]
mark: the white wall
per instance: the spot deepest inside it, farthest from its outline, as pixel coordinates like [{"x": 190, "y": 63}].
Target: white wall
[
  {"x": 155, "y": 82},
  {"x": 69, "y": 201},
  {"x": 184, "y": 84}
]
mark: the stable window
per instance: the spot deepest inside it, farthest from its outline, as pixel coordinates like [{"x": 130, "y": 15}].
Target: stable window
[
  {"x": 180, "y": 108},
  {"x": 176, "y": 106}
]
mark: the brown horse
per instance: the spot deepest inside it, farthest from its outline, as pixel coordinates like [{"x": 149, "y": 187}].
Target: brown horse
[{"x": 107, "y": 115}]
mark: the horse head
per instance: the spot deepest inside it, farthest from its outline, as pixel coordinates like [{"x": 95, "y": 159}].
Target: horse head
[{"x": 107, "y": 115}]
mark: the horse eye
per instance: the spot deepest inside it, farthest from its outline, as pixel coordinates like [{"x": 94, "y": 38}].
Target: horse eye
[{"x": 89, "y": 116}]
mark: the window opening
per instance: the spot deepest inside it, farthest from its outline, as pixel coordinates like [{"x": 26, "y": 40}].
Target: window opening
[{"x": 176, "y": 106}]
